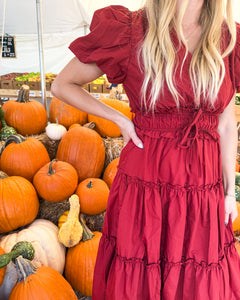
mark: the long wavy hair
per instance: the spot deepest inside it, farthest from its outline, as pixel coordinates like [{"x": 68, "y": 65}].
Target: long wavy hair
[{"x": 159, "y": 55}]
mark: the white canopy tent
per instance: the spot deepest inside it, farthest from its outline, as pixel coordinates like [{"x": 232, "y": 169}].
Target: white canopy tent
[{"x": 63, "y": 21}]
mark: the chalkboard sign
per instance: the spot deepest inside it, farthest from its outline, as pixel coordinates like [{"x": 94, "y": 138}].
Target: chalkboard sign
[{"x": 8, "y": 50}]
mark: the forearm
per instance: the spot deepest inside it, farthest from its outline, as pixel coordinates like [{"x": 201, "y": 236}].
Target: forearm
[
  {"x": 75, "y": 95},
  {"x": 228, "y": 142}
]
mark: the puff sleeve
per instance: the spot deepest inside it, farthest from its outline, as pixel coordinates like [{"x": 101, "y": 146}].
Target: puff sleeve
[
  {"x": 108, "y": 43},
  {"x": 237, "y": 61}
]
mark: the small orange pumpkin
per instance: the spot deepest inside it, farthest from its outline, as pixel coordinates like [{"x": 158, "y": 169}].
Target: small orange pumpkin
[
  {"x": 23, "y": 156},
  {"x": 65, "y": 113},
  {"x": 83, "y": 148},
  {"x": 56, "y": 181},
  {"x": 93, "y": 195},
  {"x": 2, "y": 270},
  {"x": 80, "y": 261},
  {"x": 108, "y": 128},
  {"x": 74, "y": 125},
  {"x": 28, "y": 117},
  {"x": 111, "y": 171},
  {"x": 41, "y": 283}
]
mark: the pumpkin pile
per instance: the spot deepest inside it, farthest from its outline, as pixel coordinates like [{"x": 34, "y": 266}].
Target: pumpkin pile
[{"x": 52, "y": 207}]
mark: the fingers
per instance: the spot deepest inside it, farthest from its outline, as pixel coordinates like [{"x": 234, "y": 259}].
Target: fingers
[
  {"x": 234, "y": 212},
  {"x": 226, "y": 218},
  {"x": 230, "y": 209},
  {"x": 136, "y": 140}
]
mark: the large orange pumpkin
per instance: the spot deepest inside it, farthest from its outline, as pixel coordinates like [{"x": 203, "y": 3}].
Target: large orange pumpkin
[
  {"x": 2, "y": 270},
  {"x": 56, "y": 181},
  {"x": 19, "y": 202},
  {"x": 40, "y": 284},
  {"x": 28, "y": 117},
  {"x": 108, "y": 128},
  {"x": 23, "y": 156},
  {"x": 93, "y": 195},
  {"x": 65, "y": 113},
  {"x": 80, "y": 261},
  {"x": 83, "y": 148},
  {"x": 111, "y": 171}
]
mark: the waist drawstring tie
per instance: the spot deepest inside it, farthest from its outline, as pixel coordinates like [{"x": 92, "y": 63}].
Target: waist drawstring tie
[{"x": 188, "y": 140}]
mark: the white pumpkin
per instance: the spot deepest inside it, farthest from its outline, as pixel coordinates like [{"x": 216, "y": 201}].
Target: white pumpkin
[
  {"x": 55, "y": 131},
  {"x": 43, "y": 235}
]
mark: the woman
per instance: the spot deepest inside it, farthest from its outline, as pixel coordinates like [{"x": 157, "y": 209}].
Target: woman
[{"x": 168, "y": 228}]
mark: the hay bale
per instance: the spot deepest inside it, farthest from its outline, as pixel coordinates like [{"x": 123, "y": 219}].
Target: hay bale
[
  {"x": 49, "y": 144},
  {"x": 52, "y": 211},
  {"x": 113, "y": 148}
]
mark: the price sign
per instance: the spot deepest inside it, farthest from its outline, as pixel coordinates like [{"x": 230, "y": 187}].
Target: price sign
[{"x": 8, "y": 46}]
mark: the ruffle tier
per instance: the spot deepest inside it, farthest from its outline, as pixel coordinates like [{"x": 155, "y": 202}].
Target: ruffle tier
[{"x": 164, "y": 242}]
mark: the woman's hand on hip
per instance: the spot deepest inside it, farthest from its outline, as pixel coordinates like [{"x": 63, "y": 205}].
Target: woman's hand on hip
[
  {"x": 128, "y": 132},
  {"x": 230, "y": 208}
]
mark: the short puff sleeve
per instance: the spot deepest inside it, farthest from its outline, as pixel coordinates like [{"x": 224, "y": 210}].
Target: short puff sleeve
[
  {"x": 237, "y": 60},
  {"x": 108, "y": 43}
]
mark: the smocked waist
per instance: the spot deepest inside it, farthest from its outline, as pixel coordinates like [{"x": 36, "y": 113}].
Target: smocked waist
[
  {"x": 183, "y": 125},
  {"x": 176, "y": 121}
]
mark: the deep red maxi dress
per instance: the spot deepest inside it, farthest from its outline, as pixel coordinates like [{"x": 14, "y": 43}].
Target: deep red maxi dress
[{"x": 164, "y": 235}]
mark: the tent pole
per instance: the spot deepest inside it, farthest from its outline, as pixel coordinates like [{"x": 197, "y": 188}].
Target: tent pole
[{"x": 41, "y": 56}]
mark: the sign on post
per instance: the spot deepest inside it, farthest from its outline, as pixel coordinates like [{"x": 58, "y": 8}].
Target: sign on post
[{"x": 8, "y": 50}]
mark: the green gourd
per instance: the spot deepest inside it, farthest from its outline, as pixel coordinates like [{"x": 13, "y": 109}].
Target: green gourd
[
  {"x": 6, "y": 130},
  {"x": 23, "y": 248}
]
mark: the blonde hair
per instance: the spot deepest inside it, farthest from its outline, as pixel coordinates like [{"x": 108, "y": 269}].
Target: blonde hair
[{"x": 158, "y": 53}]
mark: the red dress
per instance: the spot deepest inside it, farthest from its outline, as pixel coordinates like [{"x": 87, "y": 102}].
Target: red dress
[{"x": 164, "y": 235}]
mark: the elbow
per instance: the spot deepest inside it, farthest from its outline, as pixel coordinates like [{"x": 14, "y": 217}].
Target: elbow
[{"x": 55, "y": 88}]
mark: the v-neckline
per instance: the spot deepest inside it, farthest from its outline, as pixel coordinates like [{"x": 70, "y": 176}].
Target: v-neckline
[{"x": 181, "y": 47}]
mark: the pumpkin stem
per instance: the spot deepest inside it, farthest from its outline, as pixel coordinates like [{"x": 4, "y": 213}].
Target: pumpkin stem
[
  {"x": 51, "y": 171},
  {"x": 4, "y": 124},
  {"x": 90, "y": 125},
  {"x": 90, "y": 184},
  {"x": 16, "y": 138},
  {"x": 23, "y": 95},
  {"x": 57, "y": 121},
  {"x": 3, "y": 175},
  {"x": 24, "y": 268},
  {"x": 21, "y": 248},
  {"x": 87, "y": 233}
]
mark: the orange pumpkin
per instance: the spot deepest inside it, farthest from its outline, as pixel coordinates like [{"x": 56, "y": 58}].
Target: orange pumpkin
[
  {"x": 80, "y": 261},
  {"x": 83, "y": 148},
  {"x": 74, "y": 125},
  {"x": 28, "y": 117},
  {"x": 237, "y": 166},
  {"x": 236, "y": 222},
  {"x": 108, "y": 128},
  {"x": 65, "y": 113},
  {"x": 2, "y": 270},
  {"x": 23, "y": 156},
  {"x": 56, "y": 181},
  {"x": 39, "y": 284},
  {"x": 93, "y": 195},
  {"x": 111, "y": 171},
  {"x": 18, "y": 201}
]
